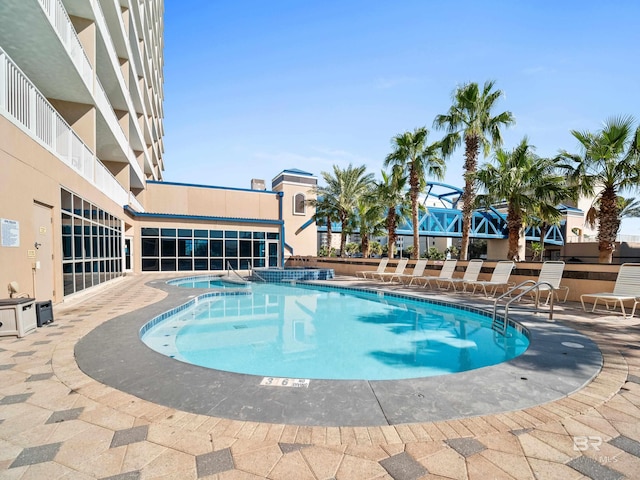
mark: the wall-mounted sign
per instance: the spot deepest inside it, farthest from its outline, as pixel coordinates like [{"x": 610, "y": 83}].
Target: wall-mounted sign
[{"x": 9, "y": 233}]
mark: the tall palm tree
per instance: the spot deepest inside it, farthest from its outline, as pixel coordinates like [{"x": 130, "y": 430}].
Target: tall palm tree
[
  {"x": 391, "y": 194},
  {"x": 608, "y": 164},
  {"x": 525, "y": 182},
  {"x": 417, "y": 160},
  {"x": 342, "y": 190},
  {"x": 469, "y": 119}
]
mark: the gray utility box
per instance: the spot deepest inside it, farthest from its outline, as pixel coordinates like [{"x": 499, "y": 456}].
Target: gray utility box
[
  {"x": 44, "y": 312},
  {"x": 17, "y": 316}
]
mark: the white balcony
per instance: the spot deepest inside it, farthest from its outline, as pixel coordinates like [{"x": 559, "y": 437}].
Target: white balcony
[
  {"x": 58, "y": 17},
  {"x": 27, "y": 108}
]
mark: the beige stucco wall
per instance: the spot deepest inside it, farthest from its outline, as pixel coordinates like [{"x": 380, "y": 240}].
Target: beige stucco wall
[
  {"x": 30, "y": 174},
  {"x": 210, "y": 201},
  {"x": 497, "y": 249},
  {"x": 302, "y": 241}
]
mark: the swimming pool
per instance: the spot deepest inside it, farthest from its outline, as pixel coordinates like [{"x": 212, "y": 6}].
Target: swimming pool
[
  {"x": 208, "y": 281},
  {"x": 312, "y": 332}
]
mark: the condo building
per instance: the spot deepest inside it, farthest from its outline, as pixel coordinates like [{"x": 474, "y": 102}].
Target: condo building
[{"x": 83, "y": 198}]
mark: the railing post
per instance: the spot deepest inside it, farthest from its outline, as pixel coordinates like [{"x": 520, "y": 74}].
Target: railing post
[
  {"x": 31, "y": 106},
  {"x": 3, "y": 81}
]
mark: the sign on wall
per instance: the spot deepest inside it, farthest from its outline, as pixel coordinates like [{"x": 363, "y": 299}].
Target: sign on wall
[{"x": 9, "y": 233}]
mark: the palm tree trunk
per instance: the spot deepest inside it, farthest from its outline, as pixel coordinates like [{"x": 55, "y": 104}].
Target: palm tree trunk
[
  {"x": 416, "y": 237},
  {"x": 514, "y": 225},
  {"x": 609, "y": 224},
  {"x": 468, "y": 195},
  {"x": 414, "y": 183},
  {"x": 364, "y": 246},
  {"x": 391, "y": 232},
  {"x": 329, "y": 235},
  {"x": 543, "y": 233},
  {"x": 343, "y": 234}
]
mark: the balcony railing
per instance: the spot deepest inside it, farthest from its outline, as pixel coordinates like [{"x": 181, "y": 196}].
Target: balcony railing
[
  {"x": 133, "y": 201},
  {"x": 58, "y": 17},
  {"x": 21, "y": 102},
  {"x": 594, "y": 238},
  {"x": 101, "y": 97}
]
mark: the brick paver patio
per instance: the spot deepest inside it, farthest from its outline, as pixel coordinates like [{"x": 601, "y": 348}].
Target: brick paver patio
[{"x": 56, "y": 422}]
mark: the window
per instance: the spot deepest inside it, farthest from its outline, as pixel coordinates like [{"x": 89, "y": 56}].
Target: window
[
  {"x": 90, "y": 234},
  {"x": 185, "y": 249},
  {"x": 299, "y": 204}
]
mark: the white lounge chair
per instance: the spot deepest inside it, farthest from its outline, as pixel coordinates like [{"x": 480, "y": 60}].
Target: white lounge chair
[
  {"x": 470, "y": 275},
  {"x": 499, "y": 279},
  {"x": 550, "y": 274},
  {"x": 418, "y": 270},
  {"x": 402, "y": 264},
  {"x": 626, "y": 288},
  {"x": 381, "y": 268},
  {"x": 448, "y": 267}
]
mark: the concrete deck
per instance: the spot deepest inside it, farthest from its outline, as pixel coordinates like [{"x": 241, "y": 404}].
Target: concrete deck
[{"x": 58, "y": 422}]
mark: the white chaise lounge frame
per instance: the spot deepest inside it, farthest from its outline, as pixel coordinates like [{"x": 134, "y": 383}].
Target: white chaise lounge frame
[
  {"x": 626, "y": 289},
  {"x": 448, "y": 267},
  {"x": 381, "y": 267},
  {"x": 499, "y": 278},
  {"x": 471, "y": 274}
]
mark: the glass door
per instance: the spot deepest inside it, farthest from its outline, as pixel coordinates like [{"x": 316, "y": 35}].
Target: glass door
[
  {"x": 127, "y": 254},
  {"x": 272, "y": 252}
]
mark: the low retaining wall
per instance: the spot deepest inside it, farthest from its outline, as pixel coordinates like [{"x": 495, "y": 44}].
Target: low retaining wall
[{"x": 579, "y": 277}]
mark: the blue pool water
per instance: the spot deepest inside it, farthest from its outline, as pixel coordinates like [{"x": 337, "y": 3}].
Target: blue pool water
[
  {"x": 298, "y": 331},
  {"x": 207, "y": 282}
]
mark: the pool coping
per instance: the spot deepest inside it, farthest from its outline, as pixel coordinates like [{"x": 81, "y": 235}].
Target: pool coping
[{"x": 547, "y": 371}]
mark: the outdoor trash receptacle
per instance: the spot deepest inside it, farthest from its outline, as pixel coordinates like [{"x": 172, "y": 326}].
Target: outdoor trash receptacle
[
  {"x": 44, "y": 312},
  {"x": 17, "y": 316}
]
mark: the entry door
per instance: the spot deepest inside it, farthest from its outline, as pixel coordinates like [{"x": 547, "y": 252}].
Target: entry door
[
  {"x": 272, "y": 254},
  {"x": 43, "y": 246},
  {"x": 128, "y": 242}
]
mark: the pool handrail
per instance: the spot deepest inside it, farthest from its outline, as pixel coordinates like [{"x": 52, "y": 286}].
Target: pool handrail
[
  {"x": 524, "y": 290},
  {"x": 254, "y": 273},
  {"x": 231, "y": 269}
]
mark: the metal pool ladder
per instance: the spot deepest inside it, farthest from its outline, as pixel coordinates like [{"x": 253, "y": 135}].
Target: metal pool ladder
[
  {"x": 231, "y": 269},
  {"x": 252, "y": 273},
  {"x": 500, "y": 323}
]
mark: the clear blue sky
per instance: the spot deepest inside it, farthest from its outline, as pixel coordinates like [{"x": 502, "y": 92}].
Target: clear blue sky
[{"x": 256, "y": 87}]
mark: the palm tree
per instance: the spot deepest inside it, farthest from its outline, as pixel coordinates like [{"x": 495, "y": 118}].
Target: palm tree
[
  {"x": 417, "y": 160},
  {"x": 544, "y": 215},
  {"x": 391, "y": 194},
  {"x": 370, "y": 220},
  {"x": 629, "y": 207},
  {"x": 342, "y": 190},
  {"x": 469, "y": 119},
  {"x": 326, "y": 214},
  {"x": 609, "y": 163},
  {"x": 525, "y": 182}
]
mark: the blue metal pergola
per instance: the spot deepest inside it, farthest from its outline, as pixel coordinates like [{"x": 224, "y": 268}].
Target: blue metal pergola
[{"x": 446, "y": 220}]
